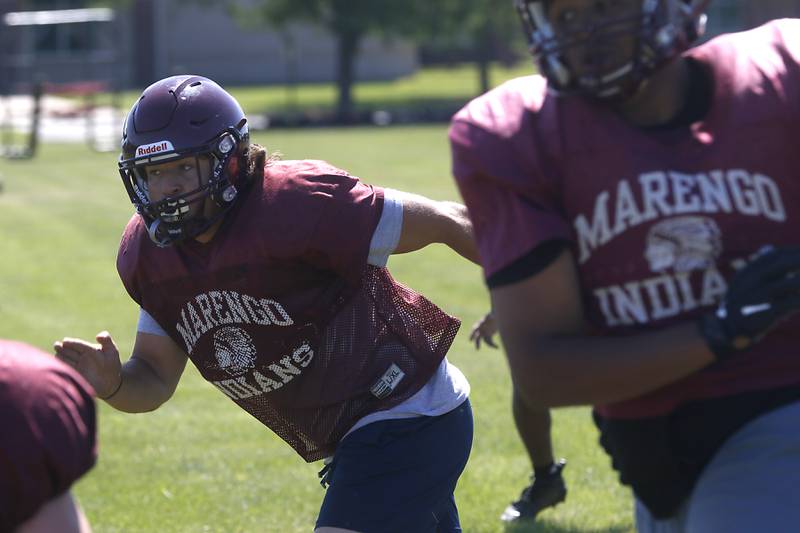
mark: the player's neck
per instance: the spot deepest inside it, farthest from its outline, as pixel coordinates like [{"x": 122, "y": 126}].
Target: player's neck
[
  {"x": 210, "y": 210},
  {"x": 207, "y": 235},
  {"x": 660, "y": 98}
]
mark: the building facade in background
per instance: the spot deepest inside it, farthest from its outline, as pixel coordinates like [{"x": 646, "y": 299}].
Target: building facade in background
[
  {"x": 174, "y": 36},
  {"x": 54, "y": 52},
  {"x": 152, "y": 39}
]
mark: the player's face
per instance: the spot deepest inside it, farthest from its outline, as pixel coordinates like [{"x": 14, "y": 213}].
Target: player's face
[
  {"x": 172, "y": 179},
  {"x": 602, "y": 34}
]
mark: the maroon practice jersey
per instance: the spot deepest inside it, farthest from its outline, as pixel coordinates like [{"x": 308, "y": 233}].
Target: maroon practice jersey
[
  {"x": 281, "y": 311},
  {"x": 658, "y": 219},
  {"x": 47, "y": 440}
]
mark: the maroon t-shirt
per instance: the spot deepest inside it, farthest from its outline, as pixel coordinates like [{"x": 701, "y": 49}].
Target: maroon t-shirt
[
  {"x": 281, "y": 312},
  {"x": 658, "y": 220},
  {"x": 48, "y": 435}
]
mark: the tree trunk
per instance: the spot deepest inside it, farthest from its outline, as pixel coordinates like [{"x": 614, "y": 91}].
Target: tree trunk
[
  {"x": 485, "y": 53},
  {"x": 348, "y": 51},
  {"x": 483, "y": 73}
]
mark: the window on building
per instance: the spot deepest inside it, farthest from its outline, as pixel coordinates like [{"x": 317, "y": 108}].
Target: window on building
[
  {"x": 39, "y": 5},
  {"x": 61, "y": 38}
]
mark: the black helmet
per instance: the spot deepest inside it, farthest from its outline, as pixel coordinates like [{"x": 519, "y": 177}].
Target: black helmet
[
  {"x": 174, "y": 118},
  {"x": 663, "y": 28}
]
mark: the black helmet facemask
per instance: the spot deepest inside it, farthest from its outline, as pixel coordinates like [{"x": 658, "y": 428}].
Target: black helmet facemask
[{"x": 662, "y": 29}]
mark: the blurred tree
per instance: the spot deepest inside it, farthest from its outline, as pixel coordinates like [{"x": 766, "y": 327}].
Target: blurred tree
[
  {"x": 474, "y": 30},
  {"x": 481, "y": 30},
  {"x": 349, "y": 21},
  {"x": 487, "y": 30}
]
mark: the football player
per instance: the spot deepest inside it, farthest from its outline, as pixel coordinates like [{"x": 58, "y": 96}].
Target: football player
[
  {"x": 270, "y": 277},
  {"x": 633, "y": 206},
  {"x": 47, "y": 443},
  {"x": 547, "y": 487}
]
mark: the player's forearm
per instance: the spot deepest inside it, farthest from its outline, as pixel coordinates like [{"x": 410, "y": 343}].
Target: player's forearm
[
  {"x": 455, "y": 230},
  {"x": 141, "y": 390},
  {"x": 427, "y": 221},
  {"x": 551, "y": 372}
]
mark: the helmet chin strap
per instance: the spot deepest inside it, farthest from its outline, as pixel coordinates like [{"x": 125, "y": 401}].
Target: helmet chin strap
[
  {"x": 152, "y": 230},
  {"x": 162, "y": 237}
]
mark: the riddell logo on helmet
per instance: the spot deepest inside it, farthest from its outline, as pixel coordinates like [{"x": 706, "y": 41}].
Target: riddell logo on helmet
[{"x": 154, "y": 148}]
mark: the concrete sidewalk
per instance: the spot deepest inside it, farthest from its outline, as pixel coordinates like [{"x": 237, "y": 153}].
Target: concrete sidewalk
[{"x": 62, "y": 119}]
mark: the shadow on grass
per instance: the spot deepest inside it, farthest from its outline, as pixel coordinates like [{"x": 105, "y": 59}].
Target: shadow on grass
[
  {"x": 542, "y": 526},
  {"x": 376, "y": 112}
]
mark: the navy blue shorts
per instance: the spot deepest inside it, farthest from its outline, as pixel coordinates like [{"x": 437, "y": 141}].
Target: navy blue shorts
[{"x": 399, "y": 475}]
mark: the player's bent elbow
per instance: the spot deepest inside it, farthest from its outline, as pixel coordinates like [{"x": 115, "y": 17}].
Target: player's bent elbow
[
  {"x": 159, "y": 399},
  {"x": 149, "y": 408},
  {"x": 142, "y": 399}
]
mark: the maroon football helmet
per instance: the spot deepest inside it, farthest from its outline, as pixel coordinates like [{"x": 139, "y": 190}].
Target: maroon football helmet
[
  {"x": 174, "y": 118},
  {"x": 661, "y": 28}
]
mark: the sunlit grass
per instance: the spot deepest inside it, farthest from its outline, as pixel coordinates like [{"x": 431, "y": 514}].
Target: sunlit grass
[{"x": 201, "y": 464}]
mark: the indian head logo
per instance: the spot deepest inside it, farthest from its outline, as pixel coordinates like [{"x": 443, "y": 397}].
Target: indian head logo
[
  {"x": 234, "y": 350},
  {"x": 683, "y": 244}
]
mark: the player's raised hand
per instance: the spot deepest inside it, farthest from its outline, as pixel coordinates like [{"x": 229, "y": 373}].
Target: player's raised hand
[
  {"x": 98, "y": 362},
  {"x": 484, "y": 330}
]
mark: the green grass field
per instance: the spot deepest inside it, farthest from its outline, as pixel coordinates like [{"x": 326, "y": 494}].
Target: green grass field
[{"x": 199, "y": 464}]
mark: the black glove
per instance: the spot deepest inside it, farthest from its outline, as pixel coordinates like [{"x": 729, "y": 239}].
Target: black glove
[{"x": 759, "y": 296}]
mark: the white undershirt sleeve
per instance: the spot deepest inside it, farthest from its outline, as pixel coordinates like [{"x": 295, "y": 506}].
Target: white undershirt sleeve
[
  {"x": 148, "y": 324},
  {"x": 387, "y": 234}
]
